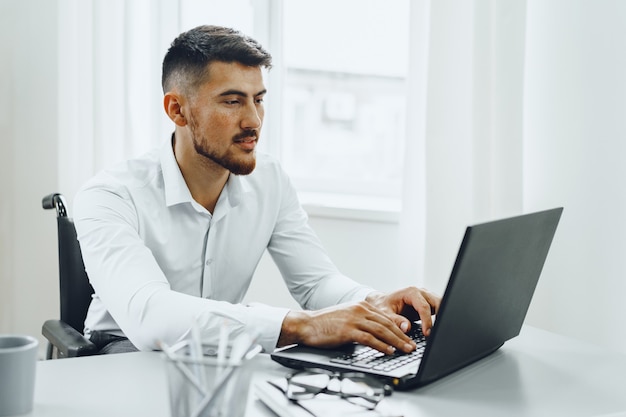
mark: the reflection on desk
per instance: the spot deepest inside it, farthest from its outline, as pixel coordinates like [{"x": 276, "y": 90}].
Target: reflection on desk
[{"x": 536, "y": 374}]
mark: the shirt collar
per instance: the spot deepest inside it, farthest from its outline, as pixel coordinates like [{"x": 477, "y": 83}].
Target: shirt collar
[
  {"x": 174, "y": 184},
  {"x": 237, "y": 186},
  {"x": 232, "y": 195}
]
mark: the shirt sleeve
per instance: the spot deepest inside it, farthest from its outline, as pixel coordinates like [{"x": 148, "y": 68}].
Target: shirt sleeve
[
  {"x": 135, "y": 291},
  {"x": 312, "y": 278}
]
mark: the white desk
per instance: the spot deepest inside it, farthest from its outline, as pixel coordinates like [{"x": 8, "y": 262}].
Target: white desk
[{"x": 535, "y": 374}]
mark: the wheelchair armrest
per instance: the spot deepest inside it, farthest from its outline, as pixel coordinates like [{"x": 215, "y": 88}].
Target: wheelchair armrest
[{"x": 69, "y": 342}]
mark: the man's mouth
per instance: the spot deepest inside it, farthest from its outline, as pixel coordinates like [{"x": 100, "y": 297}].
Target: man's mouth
[{"x": 246, "y": 140}]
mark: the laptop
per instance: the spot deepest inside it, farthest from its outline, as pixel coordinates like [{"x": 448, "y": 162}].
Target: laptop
[{"x": 484, "y": 305}]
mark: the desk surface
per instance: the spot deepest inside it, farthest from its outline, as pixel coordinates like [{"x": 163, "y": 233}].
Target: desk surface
[{"x": 536, "y": 374}]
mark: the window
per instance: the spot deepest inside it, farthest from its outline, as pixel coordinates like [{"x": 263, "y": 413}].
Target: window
[{"x": 342, "y": 120}]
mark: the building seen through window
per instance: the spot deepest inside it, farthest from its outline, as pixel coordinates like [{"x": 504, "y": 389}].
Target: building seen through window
[{"x": 344, "y": 95}]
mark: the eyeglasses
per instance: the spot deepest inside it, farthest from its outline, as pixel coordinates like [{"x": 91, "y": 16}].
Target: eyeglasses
[{"x": 355, "y": 387}]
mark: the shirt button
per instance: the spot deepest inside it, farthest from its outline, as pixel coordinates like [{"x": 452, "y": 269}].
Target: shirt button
[{"x": 209, "y": 262}]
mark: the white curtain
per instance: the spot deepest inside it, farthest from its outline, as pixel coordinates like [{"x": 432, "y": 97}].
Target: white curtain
[
  {"x": 464, "y": 144},
  {"x": 108, "y": 86},
  {"x": 412, "y": 231}
]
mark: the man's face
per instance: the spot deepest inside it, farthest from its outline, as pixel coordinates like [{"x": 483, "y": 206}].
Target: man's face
[{"x": 226, "y": 115}]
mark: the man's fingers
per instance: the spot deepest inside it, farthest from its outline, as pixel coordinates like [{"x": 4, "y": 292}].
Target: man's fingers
[
  {"x": 425, "y": 304},
  {"x": 433, "y": 300},
  {"x": 401, "y": 322},
  {"x": 368, "y": 339},
  {"x": 381, "y": 333}
]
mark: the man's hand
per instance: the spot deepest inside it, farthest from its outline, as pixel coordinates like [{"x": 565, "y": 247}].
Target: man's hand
[
  {"x": 408, "y": 305},
  {"x": 375, "y": 322}
]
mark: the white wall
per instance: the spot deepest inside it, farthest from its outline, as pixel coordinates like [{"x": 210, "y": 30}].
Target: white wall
[
  {"x": 575, "y": 156},
  {"x": 28, "y": 164}
]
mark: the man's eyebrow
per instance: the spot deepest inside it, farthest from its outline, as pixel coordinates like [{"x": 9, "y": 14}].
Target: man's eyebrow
[{"x": 241, "y": 93}]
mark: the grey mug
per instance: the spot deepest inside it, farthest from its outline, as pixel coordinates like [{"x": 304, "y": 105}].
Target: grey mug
[{"x": 18, "y": 360}]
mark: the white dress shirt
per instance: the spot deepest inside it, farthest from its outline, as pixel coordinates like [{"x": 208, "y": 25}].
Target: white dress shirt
[{"x": 160, "y": 262}]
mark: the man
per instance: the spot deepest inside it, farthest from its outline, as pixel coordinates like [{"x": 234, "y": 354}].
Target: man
[{"x": 171, "y": 240}]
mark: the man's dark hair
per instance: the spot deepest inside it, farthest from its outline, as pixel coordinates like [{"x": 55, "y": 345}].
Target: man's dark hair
[{"x": 187, "y": 60}]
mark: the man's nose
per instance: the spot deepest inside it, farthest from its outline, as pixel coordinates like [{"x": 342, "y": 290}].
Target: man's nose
[{"x": 252, "y": 119}]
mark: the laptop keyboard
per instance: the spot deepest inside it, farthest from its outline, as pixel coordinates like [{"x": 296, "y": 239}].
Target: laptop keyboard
[{"x": 368, "y": 358}]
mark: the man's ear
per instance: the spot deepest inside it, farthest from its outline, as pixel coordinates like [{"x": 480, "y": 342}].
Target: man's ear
[{"x": 173, "y": 108}]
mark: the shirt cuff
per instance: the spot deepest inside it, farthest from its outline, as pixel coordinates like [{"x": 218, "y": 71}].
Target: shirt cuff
[{"x": 268, "y": 322}]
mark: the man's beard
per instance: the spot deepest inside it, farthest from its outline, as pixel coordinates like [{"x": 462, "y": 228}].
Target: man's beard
[{"x": 228, "y": 161}]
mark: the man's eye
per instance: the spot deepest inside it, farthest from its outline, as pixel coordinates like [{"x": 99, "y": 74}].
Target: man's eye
[
  {"x": 260, "y": 100},
  {"x": 232, "y": 101}
]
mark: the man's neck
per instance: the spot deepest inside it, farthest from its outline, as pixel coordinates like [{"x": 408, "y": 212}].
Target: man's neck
[{"x": 204, "y": 178}]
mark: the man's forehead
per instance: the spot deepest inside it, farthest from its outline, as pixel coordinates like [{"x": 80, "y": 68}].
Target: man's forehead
[{"x": 226, "y": 76}]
